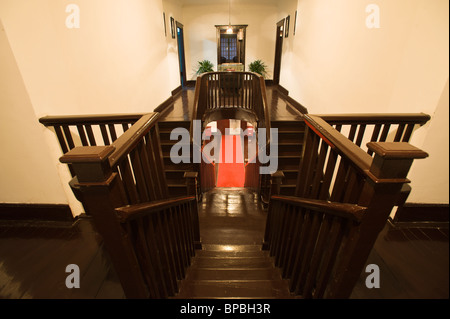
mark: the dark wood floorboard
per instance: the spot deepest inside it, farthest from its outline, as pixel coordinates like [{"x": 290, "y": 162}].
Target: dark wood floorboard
[{"x": 182, "y": 109}]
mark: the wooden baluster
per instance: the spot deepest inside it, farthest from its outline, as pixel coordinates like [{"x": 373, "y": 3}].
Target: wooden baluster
[
  {"x": 311, "y": 241},
  {"x": 388, "y": 172},
  {"x": 375, "y": 135},
  {"x": 68, "y": 136},
  {"x": 101, "y": 194},
  {"x": 104, "y": 134},
  {"x": 408, "y": 133},
  {"x": 90, "y": 134},
  {"x": 61, "y": 139},
  {"x": 334, "y": 243},
  {"x": 146, "y": 260},
  {"x": 291, "y": 255},
  {"x": 385, "y": 132},
  {"x": 301, "y": 248},
  {"x": 155, "y": 139},
  {"x": 400, "y": 130},
  {"x": 112, "y": 132},
  {"x": 82, "y": 134},
  {"x": 359, "y": 138},
  {"x": 156, "y": 256}
]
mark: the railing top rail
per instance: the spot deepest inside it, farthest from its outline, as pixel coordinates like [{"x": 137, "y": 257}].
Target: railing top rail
[
  {"x": 349, "y": 211},
  {"x": 90, "y": 119},
  {"x": 131, "y": 212},
  {"x": 376, "y": 118},
  {"x": 128, "y": 140}
]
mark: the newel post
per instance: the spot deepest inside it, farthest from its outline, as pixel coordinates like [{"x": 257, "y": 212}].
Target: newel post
[
  {"x": 101, "y": 195},
  {"x": 384, "y": 182},
  {"x": 275, "y": 183}
]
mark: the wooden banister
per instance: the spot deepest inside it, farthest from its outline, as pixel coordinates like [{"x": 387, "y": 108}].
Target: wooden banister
[
  {"x": 321, "y": 239},
  {"x": 131, "y": 212},
  {"x": 150, "y": 237},
  {"x": 348, "y": 211},
  {"x": 129, "y": 139}
]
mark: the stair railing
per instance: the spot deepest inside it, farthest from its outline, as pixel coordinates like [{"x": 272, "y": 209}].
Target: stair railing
[
  {"x": 88, "y": 130},
  {"x": 238, "y": 95},
  {"x": 322, "y": 237},
  {"x": 150, "y": 237}
]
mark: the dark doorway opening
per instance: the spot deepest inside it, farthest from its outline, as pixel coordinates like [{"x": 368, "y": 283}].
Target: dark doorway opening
[
  {"x": 278, "y": 51},
  {"x": 181, "y": 58}
]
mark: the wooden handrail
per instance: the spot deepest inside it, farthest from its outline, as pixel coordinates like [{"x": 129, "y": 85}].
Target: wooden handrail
[
  {"x": 375, "y": 118},
  {"x": 131, "y": 212},
  {"x": 131, "y": 137},
  {"x": 348, "y": 211},
  {"x": 90, "y": 119},
  {"x": 344, "y": 198}
]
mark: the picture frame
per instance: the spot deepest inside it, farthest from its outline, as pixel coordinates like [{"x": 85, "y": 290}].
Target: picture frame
[
  {"x": 286, "y": 26},
  {"x": 172, "y": 27},
  {"x": 165, "y": 27},
  {"x": 295, "y": 22}
]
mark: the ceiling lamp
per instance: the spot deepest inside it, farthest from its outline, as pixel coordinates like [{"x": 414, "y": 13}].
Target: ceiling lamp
[{"x": 229, "y": 29}]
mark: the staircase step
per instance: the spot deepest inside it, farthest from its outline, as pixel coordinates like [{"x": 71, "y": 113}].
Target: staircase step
[
  {"x": 232, "y": 262},
  {"x": 225, "y": 274},
  {"x": 234, "y": 289},
  {"x": 225, "y": 254}
]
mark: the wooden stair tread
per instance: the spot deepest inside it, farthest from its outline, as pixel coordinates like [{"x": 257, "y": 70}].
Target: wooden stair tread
[
  {"x": 232, "y": 262},
  {"x": 233, "y": 274},
  {"x": 235, "y": 289}
]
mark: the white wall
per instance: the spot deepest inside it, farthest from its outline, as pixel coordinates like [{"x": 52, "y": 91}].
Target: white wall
[
  {"x": 117, "y": 61},
  {"x": 200, "y": 31},
  {"x": 27, "y": 172},
  {"x": 336, "y": 64}
]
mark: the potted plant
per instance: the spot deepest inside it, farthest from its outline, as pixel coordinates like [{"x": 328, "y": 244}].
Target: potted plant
[
  {"x": 259, "y": 67},
  {"x": 204, "y": 66}
]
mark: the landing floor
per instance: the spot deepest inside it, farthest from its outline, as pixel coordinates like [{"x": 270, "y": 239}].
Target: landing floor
[{"x": 414, "y": 262}]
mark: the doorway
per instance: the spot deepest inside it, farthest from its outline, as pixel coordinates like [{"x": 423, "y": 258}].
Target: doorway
[
  {"x": 181, "y": 56},
  {"x": 278, "y": 51}
]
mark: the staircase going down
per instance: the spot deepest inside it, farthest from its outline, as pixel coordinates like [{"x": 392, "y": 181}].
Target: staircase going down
[
  {"x": 240, "y": 271},
  {"x": 231, "y": 263}
]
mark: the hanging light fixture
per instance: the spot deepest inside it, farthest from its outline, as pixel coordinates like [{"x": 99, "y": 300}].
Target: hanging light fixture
[{"x": 229, "y": 29}]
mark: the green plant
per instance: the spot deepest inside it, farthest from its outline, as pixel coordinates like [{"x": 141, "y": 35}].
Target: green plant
[
  {"x": 204, "y": 66},
  {"x": 259, "y": 67}
]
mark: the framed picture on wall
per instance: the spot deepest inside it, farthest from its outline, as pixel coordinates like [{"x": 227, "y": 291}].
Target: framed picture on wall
[
  {"x": 172, "y": 27},
  {"x": 165, "y": 28},
  {"x": 286, "y": 26},
  {"x": 295, "y": 22}
]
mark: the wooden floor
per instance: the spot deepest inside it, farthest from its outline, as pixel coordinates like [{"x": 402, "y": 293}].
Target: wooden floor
[
  {"x": 280, "y": 108},
  {"x": 413, "y": 262}
]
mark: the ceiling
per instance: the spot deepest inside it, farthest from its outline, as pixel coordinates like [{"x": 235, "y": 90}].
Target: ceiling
[{"x": 200, "y": 2}]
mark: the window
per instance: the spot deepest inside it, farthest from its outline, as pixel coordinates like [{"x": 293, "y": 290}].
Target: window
[{"x": 228, "y": 46}]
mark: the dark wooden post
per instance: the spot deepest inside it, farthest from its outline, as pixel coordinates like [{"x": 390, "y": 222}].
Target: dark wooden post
[
  {"x": 275, "y": 183},
  {"x": 191, "y": 183},
  {"x": 101, "y": 195},
  {"x": 275, "y": 186},
  {"x": 387, "y": 175}
]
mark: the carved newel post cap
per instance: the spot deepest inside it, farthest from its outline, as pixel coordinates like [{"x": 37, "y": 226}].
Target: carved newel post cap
[
  {"x": 90, "y": 163},
  {"x": 85, "y": 154},
  {"x": 396, "y": 150}
]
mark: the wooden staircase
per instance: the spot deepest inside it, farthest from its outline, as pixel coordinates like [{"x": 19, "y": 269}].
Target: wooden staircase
[
  {"x": 176, "y": 182},
  {"x": 290, "y": 149},
  {"x": 239, "y": 271}
]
